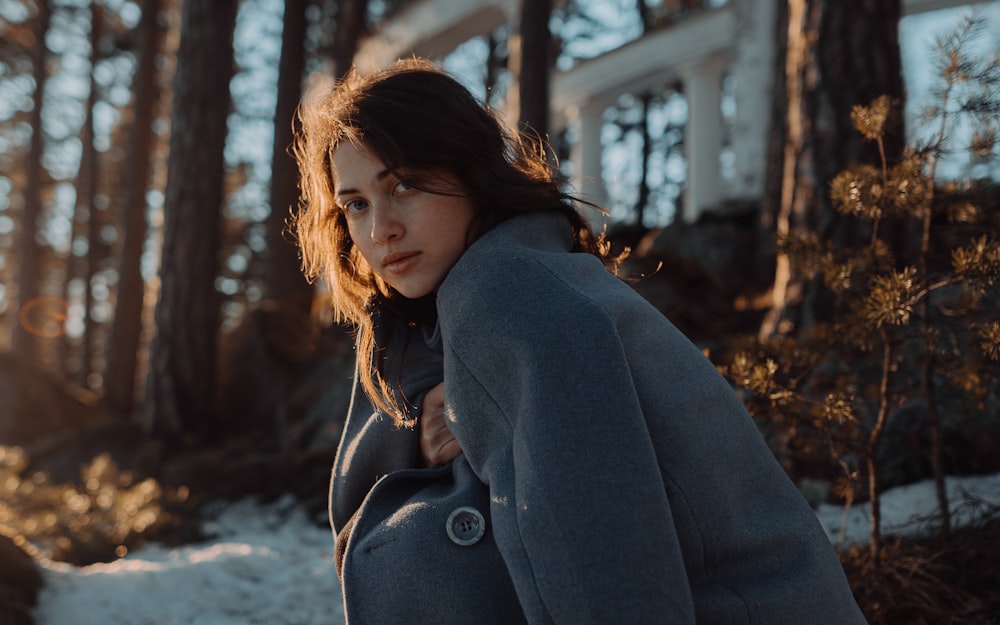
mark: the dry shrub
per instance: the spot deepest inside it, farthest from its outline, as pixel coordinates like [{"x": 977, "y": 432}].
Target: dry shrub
[
  {"x": 923, "y": 583},
  {"x": 99, "y": 518}
]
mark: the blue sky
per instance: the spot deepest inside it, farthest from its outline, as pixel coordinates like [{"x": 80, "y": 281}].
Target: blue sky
[{"x": 918, "y": 35}]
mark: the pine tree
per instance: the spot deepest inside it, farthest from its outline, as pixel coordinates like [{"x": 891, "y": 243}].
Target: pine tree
[{"x": 913, "y": 325}]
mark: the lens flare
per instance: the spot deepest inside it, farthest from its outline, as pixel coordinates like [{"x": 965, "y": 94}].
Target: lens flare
[{"x": 44, "y": 317}]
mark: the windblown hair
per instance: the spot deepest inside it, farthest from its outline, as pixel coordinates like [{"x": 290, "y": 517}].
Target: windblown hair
[{"x": 412, "y": 116}]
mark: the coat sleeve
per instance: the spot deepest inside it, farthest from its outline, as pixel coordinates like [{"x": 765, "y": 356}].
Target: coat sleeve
[{"x": 547, "y": 412}]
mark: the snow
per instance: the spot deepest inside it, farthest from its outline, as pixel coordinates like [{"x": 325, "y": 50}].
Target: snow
[
  {"x": 267, "y": 564},
  {"x": 271, "y": 564},
  {"x": 911, "y": 510}
]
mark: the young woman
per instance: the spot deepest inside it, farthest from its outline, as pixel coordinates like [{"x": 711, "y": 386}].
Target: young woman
[{"x": 607, "y": 473}]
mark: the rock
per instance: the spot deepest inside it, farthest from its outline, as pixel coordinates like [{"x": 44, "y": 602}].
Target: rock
[
  {"x": 20, "y": 581},
  {"x": 694, "y": 273},
  {"x": 284, "y": 381}
]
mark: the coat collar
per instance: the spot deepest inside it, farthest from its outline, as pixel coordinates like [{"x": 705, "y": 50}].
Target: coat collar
[
  {"x": 548, "y": 231},
  {"x": 544, "y": 231}
]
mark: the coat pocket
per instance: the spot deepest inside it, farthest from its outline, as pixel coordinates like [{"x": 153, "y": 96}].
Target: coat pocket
[{"x": 421, "y": 550}]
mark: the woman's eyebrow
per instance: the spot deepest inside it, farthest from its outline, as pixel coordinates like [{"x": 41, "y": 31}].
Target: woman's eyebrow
[{"x": 378, "y": 178}]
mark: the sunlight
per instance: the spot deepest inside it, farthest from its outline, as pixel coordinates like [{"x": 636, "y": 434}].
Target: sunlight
[
  {"x": 228, "y": 550},
  {"x": 44, "y": 317},
  {"x": 161, "y": 560}
]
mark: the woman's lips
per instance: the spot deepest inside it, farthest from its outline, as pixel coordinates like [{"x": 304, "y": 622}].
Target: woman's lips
[{"x": 399, "y": 262}]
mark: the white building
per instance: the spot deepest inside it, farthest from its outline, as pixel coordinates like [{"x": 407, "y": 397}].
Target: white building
[{"x": 737, "y": 39}]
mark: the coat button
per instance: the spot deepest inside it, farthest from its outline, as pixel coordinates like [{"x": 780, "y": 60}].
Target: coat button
[{"x": 465, "y": 526}]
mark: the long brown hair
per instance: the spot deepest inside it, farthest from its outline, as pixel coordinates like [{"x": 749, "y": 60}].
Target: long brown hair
[{"x": 412, "y": 115}]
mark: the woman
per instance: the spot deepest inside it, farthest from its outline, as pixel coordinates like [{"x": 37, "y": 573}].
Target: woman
[{"x": 607, "y": 474}]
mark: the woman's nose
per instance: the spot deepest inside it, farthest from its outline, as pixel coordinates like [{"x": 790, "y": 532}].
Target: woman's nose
[{"x": 385, "y": 225}]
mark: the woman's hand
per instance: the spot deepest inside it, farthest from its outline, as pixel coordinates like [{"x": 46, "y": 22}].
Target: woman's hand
[{"x": 437, "y": 445}]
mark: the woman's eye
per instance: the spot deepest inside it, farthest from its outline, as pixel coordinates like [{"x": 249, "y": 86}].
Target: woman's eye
[
  {"x": 403, "y": 186},
  {"x": 354, "y": 206}
]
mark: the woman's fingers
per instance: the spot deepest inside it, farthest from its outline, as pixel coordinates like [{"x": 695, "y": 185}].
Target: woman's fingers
[
  {"x": 449, "y": 451},
  {"x": 437, "y": 445}
]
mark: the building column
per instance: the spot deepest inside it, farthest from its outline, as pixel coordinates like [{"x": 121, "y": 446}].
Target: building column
[
  {"x": 703, "y": 135},
  {"x": 753, "y": 73},
  {"x": 586, "y": 152}
]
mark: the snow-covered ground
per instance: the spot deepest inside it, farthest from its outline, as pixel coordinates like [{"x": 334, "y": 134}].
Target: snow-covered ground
[
  {"x": 267, "y": 564},
  {"x": 911, "y": 510},
  {"x": 270, "y": 564}
]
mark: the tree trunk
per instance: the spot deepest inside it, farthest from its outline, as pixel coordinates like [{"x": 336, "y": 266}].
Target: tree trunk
[
  {"x": 85, "y": 222},
  {"x": 647, "y": 148},
  {"x": 534, "y": 66},
  {"x": 29, "y": 277},
  {"x": 493, "y": 65},
  {"x": 349, "y": 30},
  {"x": 285, "y": 280},
  {"x": 837, "y": 54},
  {"x": 644, "y": 17},
  {"x": 123, "y": 345},
  {"x": 181, "y": 383},
  {"x": 256, "y": 363}
]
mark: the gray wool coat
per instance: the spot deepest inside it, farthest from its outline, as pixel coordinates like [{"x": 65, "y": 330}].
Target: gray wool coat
[{"x": 610, "y": 474}]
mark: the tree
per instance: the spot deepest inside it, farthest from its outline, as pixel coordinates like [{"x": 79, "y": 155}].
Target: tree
[
  {"x": 533, "y": 66},
  {"x": 285, "y": 280},
  {"x": 181, "y": 382},
  {"x": 85, "y": 222},
  {"x": 350, "y": 27},
  {"x": 123, "y": 345},
  {"x": 834, "y": 54},
  {"x": 912, "y": 331},
  {"x": 29, "y": 279},
  {"x": 262, "y": 358}
]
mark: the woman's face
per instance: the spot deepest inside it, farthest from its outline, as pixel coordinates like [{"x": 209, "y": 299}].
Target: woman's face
[{"x": 410, "y": 238}]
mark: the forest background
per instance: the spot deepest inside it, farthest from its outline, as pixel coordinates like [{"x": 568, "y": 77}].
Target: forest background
[{"x": 161, "y": 349}]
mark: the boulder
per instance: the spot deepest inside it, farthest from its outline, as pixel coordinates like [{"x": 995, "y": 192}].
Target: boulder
[{"x": 20, "y": 581}]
